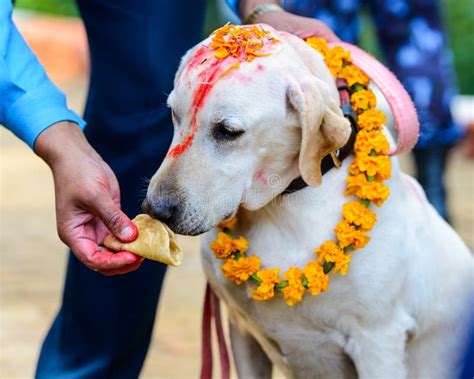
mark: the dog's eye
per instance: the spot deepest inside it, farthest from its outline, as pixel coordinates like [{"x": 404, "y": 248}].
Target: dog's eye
[{"x": 222, "y": 131}]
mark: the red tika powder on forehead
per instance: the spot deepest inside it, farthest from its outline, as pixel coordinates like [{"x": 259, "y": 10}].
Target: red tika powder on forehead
[{"x": 230, "y": 44}]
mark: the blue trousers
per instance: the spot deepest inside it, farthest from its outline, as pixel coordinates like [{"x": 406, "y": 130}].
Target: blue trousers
[{"x": 104, "y": 326}]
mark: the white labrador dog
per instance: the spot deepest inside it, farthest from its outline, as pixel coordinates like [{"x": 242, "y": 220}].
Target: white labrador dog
[{"x": 238, "y": 143}]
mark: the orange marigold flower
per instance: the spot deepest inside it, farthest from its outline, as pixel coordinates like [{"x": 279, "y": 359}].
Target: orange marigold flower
[
  {"x": 225, "y": 245},
  {"x": 332, "y": 253},
  {"x": 293, "y": 293},
  {"x": 266, "y": 289},
  {"x": 239, "y": 270},
  {"x": 373, "y": 119},
  {"x": 227, "y": 224},
  {"x": 241, "y": 42},
  {"x": 354, "y": 75},
  {"x": 374, "y": 191},
  {"x": 359, "y": 215},
  {"x": 366, "y": 141},
  {"x": 318, "y": 281},
  {"x": 319, "y": 44},
  {"x": 354, "y": 168},
  {"x": 337, "y": 53},
  {"x": 379, "y": 165},
  {"x": 355, "y": 183},
  {"x": 363, "y": 100},
  {"x": 358, "y": 185},
  {"x": 335, "y": 59},
  {"x": 348, "y": 235}
]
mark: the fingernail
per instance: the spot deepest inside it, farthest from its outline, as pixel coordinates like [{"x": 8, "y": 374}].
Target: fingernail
[{"x": 127, "y": 232}]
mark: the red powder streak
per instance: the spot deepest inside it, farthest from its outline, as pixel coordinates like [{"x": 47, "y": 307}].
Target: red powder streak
[
  {"x": 209, "y": 77},
  {"x": 260, "y": 67}
]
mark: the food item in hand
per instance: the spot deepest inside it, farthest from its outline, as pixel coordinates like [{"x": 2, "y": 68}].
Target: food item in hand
[{"x": 155, "y": 241}]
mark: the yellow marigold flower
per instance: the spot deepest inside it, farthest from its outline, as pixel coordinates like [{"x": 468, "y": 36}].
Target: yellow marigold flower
[
  {"x": 319, "y": 44},
  {"x": 366, "y": 141},
  {"x": 354, "y": 168},
  {"x": 348, "y": 235},
  {"x": 355, "y": 183},
  {"x": 318, "y": 281},
  {"x": 376, "y": 192},
  {"x": 374, "y": 165},
  {"x": 221, "y": 53},
  {"x": 359, "y": 215},
  {"x": 354, "y": 75},
  {"x": 293, "y": 293},
  {"x": 227, "y": 224},
  {"x": 239, "y": 270},
  {"x": 331, "y": 252},
  {"x": 225, "y": 245},
  {"x": 373, "y": 119},
  {"x": 335, "y": 59},
  {"x": 337, "y": 53},
  {"x": 363, "y": 100},
  {"x": 266, "y": 289}
]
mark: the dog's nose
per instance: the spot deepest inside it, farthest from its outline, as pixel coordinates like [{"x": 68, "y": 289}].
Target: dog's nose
[{"x": 161, "y": 208}]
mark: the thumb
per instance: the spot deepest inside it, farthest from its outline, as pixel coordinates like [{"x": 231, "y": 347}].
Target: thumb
[{"x": 115, "y": 220}]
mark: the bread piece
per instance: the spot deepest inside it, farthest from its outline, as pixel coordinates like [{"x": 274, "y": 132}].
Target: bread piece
[{"x": 155, "y": 241}]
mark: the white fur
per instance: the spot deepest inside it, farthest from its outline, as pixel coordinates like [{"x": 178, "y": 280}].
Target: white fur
[{"x": 400, "y": 310}]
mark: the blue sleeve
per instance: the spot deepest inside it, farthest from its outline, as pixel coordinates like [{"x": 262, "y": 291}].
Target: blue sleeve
[
  {"x": 29, "y": 101},
  {"x": 234, "y": 5}
]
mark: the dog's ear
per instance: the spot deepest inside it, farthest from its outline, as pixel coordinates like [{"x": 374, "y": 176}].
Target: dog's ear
[{"x": 324, "y": 129}]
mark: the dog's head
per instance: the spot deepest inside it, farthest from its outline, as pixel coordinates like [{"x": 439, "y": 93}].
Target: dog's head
[{"x": 242, "y": 134}]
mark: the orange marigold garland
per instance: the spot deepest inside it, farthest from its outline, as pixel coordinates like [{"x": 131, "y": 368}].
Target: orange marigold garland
[{"x": 370, "y": 167}]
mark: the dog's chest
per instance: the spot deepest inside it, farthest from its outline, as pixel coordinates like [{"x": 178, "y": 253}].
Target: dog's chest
[{"x": 295, "y": 338}]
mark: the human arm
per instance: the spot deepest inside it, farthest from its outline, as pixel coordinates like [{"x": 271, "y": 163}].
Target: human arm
[
  {"x": 302, "y": 27},
  {"x": 87, "y": 192},
  {"x": 87, "y": 200}
]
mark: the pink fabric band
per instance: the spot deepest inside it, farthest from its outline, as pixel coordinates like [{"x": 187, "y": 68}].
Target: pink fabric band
[{"x": 403, "y": 109}]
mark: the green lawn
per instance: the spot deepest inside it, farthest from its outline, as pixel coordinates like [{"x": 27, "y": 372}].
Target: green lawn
[{"x": 459, "y": 20}]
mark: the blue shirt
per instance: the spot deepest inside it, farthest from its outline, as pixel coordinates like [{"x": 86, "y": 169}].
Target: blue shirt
[{"x": 29, "y": 101}]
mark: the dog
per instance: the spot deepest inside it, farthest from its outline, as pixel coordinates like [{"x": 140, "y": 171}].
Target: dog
[{"x": 240, "y": 139}]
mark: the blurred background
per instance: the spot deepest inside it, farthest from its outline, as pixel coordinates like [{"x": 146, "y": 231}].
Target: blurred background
[{"x": 32, "y": 259}]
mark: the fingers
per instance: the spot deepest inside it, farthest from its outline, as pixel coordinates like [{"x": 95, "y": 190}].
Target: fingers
[
  {"x": 101, "y": 259},
  {"x": 114, "y": 219},
  {"x": 124, "y": 270}
]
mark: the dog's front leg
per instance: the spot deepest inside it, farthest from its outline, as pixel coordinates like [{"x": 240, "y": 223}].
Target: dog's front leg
[
  {"x": 250, "y": 360},
  {"x": 379, "y": 351}
]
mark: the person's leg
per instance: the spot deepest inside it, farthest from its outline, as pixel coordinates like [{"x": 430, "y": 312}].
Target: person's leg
[
  {"x": 430, "y": 167},
  {"x": 415, "y": 45},
  {"x": 104, "y": 326}
]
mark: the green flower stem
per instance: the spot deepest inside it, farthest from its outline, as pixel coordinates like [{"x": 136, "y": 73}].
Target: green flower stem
[
  {"x": 328, "y": 266},
  {"x": 281, "y": 285},
  {"x": 237, "y": 256},
  {"x": 365, "y": 202},
  {"x": 256, "y": 279},
  {"x": 373, "y": 153},
  {"x": 305, "y": 282},
  {"x": 371, "y": 178},
  {"x": 357, "y": 87}
]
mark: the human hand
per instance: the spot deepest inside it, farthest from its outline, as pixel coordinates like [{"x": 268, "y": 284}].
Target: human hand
[
  {"x": 87, "y": 200},
  {"x": 302, "y": 27}
]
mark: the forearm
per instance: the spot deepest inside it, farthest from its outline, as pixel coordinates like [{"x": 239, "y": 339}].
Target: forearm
[{"x": 60, "y": 141}]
